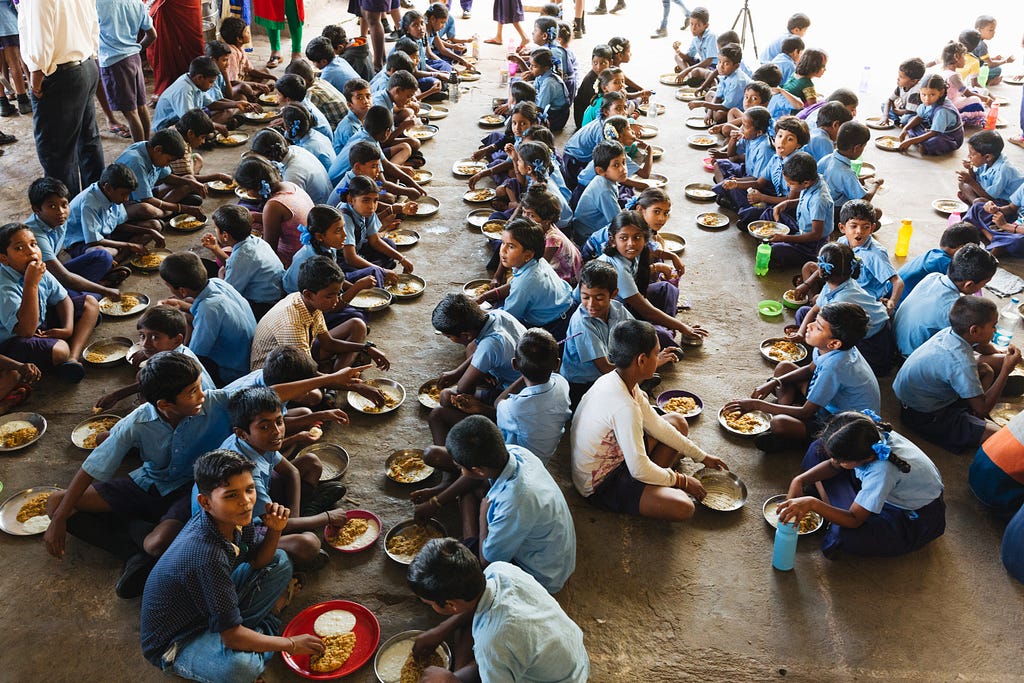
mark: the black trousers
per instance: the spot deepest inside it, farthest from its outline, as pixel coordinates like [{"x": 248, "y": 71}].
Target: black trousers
[{"x": 64, "y": 125}]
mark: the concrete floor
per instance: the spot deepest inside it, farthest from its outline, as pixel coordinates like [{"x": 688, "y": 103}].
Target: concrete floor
[{"x": 657, "y": 602}]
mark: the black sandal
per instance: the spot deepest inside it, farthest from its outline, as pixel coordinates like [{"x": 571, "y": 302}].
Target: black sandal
[{"x": 6, "y": 139}]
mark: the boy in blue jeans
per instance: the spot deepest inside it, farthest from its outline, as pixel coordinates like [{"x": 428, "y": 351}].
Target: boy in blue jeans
[
  {"x": 945, "y": 393},
  {"x": 937, "y": 260},
  {"x": 209, "y": 609},
  {"x": 599, "y": 202},
  {"x": 222, "y": 322}
]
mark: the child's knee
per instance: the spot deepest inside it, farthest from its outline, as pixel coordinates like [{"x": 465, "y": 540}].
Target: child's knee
[
  {"x": 60, "y": 352},
  {"x": 678, "y": 422},
  {"x": 243, "y": 666},
  {"x": 309, "y": 466},
  {"x": 437, "y": 456},
  {"x": 304, "y": 547}
]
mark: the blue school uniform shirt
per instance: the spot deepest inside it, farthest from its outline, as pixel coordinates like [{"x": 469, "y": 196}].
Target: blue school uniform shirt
[
  {"x": 730, "y": 89},
  {"x": 589, "y": 173},
  {"x": 779, "y": 105},
  {"x": 358, "y": 229},
  {"x": 842, "y": 182},
  {"x": 92, "y": 217},
  {"x": 136, "y": 157},
  {"x": 820, "y": 145},
  {"x": 120, "y": 23},
  {"x": 942, "y": 118},
  {"x": 559, "y": 180},
  {"x": 1000, "y": 180},
  {"x": 290, "y": 281},
  {"x": 255, "y": 270},
  {"x": 535, "y": 417},
  {"x": 924, "y": 312},
  {"x": 528, "y": 520},
  {"x": 319, "y": 145},
  {"x": 253, "y": 379},
  {"x": 12, "y": 289},
  {"x": 379, "y": 82},
  {"x": 345, "y": 129},
  {"x": 338, "y": 72},
  {"x": 785, "y": 63},
  {"x": 932, "y": 261},
  {"x": 341, "y": 164},
  {"x": 582, "y": 143},
  {"x": 551, "y": 92},
  {"x": 815, "y": 205},
  {"x": 598, "y": 240},
  {"x": 205, "y": 381},
  {"x": 774, "y": 49},
  {"x": 853, "y": 293},
  {"x": 265, "y": 464},
  {"x": 773, "y": 172},
  {"x": 382, "y": 98},
  {"x": 875, "y": 267},
  {"x": 167, "y": 452},
  {"x": 758, "y": 156},
  {"x": 586, "y": 340},
  {"x": 222, "y": 328},
  {"x": 842, "y": 380},
  {"x": 598, "y": 205},
  {"x": 179, "y": 97},
  {"x": 626, "y": 269},
  {"x": 704, "y": 46},
  {"x": 8, "y": 19},
  {"x": 938, "y": 373},
  {"x": 520, "y": 633},
  {"x": 496, "y": 347},
  {"x": 50, "y": 239},
  {"x": 320, "y": 121},
  {"x": 536, "y": 295},
  {"x": 882, "y": 483}
]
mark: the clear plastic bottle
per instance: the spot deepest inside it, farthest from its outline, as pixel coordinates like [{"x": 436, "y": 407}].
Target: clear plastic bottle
[
  {"x": 1008, "y": 323},
  {"x": 453, "y": 87},
  {"x": 476, "y": 46},
  {"x": 784, "y": 550},
  {"x": 865, "y": 80},
  {"x": 652, "y": 107}
]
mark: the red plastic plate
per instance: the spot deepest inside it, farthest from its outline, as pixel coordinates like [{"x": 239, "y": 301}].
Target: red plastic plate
[{"x": 367, "y": 632}]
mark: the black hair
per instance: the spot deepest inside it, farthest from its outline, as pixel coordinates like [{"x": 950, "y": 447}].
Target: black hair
[
  {"x": 968, "y": 311},
  {"x": 336, "y": 34},
  {"x": 407, "y": 45},
  {"x": 769, "y": 74},
  {"x": 436, "y": 11},
  {"x": 456, "y": 313},
  {"x": 798, "y": 21},
  {"x": 618, "y": 124},
  {"x": 170, "y": 141},
  {"x": 287, "y": 363},
  {"x": 844, "y": 96},
  {"x": 235, "y": 220},
  {"x": 550, "y": 9},
  {"x": 528, "y": 234},
  {"x": 407, "y": 19},
  {"x": 537, "y": 156},
  {"x": 972, "y": 263},
  {"x": 851, "y": 134},
  {"x": 564, "y": 32},
  {"x": 913, "y": 68},
  {"x": 546, "y": 205},
  {"x": 378, "y": 120},
  {"x": 184, "y": 269},
  {"x": 549, "y": 26},
  {"x": 543, "y": 58},
  {"x": 936, "y": 82},
  {"x": 477, "y": 442},
  {"x": 540, "y": 133},
  {"x": 537, "y": 355},
  {"x": 320, "y": 49},
  {"x": 951, "y": 50},
  {"x": 166, "y": 320},
  {"x": 303, "y": 69},
  {"x": 764, "y": 93},
  {"x": 849, "y": 437},
  {"x": 652, "y": 196},
  {"x": 216, "y": 468},
  {"x": 528, "y": 110},
  {"x": 402, "y": 80},
  {"x": 318, "y": 221},
  {"x": 319, "y": 273},
  {"x": 363, "y": 151},
  {"x": 246, "y": 404},
  {"x": 796, "y": 126},
  {"x": 252, "y": 172},
  {"x": 196, "y": 121},
  {"x": 231, "y": 29},
  {"x": 845, "y": 265},
  {"x": 832, "y": 112},
  {"x": 269, "y": 143},
  {"x": 203, "y": 66},
  {"x": 166, "y": 375},
  {"x": 398, "y": 61},
  {"x": 849, "y": 322},
  {"x": 603, "y": 51},
  {"x": 701, "y": 14},
  {"x": 970, "y": 39},
  {"x": 986, "y": 142},
  {"x": 605, "y": 152},
  {"x": 625, "y": 219},
  {"x": 42, "y": 189},
  {"x": 297, "y": 121},
  {"x": 359, "y": 186},
  {"x": 7, "y": 233},
  {"x": 857, "y": 209},
  {"x": 354, "y": 85},
  {"x": 605, "y": 78},
  {"x": 800, "y": 167},
  {"x": 292, "y": 86},
  {"x": 811, "y": 62},
  {"x": 609, "y": 98},
  {"x": 984, "y": 20},
  {"x": 618, "y": 45},
  {"x": 119, "y": 177},
  {"x": 521, "y": 91},
  {"x": 726, "y": 37},
  {"x": 733, "y": 52},
  {"x": 959, "y": 234},
  {"x": 597, "y": 274},
  {"x": 760, "y": 117},
  {"x": 217, "y": 49},
  {"x": 790, "y": 44},
  {"x": 444, "y": 570},
  {"x": 628, "y": 339}
]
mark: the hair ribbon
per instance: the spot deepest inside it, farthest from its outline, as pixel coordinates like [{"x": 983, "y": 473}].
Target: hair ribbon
[
  {"x": 882, "y": 449},
  {"x": 632, "y": 202},
  {"x": 293, "y": 130},
  {"x": 265, "y": 189},
  {"x": 825, "y": 266},
  {"x": 610, "y": 133},
  {"x": 552, "y": 32},
  {"x": 875, "y": 417},
  {"x": 305, "y": 236},
  {"x": 539, "y": 167}
]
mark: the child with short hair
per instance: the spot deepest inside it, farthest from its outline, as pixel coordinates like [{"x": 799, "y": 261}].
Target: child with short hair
[
  {"x": 364, "y": 245},
  {"x": 944, "y": 390},
  {"x": 1001, "y": 226},
  {"x": 796, "y": 27},
  {"x": 545, "y": 208},
  {"x": 292, "y": 88},
  {"x": 285, "y": 205},
  {"x": 429, "y": 82},
  {"x": 298, "y": 130},
  {"x": 858, "y": 221},
  {"x": 599, "y": 202},
  {"x": 837, "y": 379},
  {"x": 196, "y": 129},
  {"x": 587, "y": 90},
  {"x": 747, "y": 155},
  {"x": 836, "y": 167},
  {"x": 252, "y": 268},
  {"x": 936, "y": 126},
  {"x": 843, "y": 96},
  {"x": 359, "y": 99},
  {"x": 987, "y": 175},
  {"x": 396, "y": 61},
  {"x": 732, "y": 83},
  {"x": 831, "y": 116},
  {"x": 790, "y": 50},
  {"x": 221, "y": 319},
  {"x": 159, "y": 194},
  {"x": 814, "y": 213},
  {"x": 937, "y": 260},
  {"x": 926, "y": 310},
  {"x": 194, "y": 90},
  {"x": 246, "y": 81},
  {"x": 333, "y": 68},
  {"x": 377, "y": 128},
  {"x": 790, "y": 135},
  {"x": 320, "y": 95},
  {"x": 692, "y": 66},
  {"x": 125, "y": 29},
  {"x": 986, "y": 27},
  {"x": 365, "y": 160},
  {"x": 906, "y": 98},
  {"x": 397, "y": 97},
  {"x": 884, "y": 495}
]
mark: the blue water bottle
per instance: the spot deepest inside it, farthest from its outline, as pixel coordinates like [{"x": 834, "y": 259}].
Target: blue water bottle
[{"x": 784, "y": 552}]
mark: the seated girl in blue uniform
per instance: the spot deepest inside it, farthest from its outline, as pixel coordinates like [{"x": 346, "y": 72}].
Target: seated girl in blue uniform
[
  {"x": 364, "y": 246},
  {"x": 298, "y": 130},
  {"x": 654, "y": 206},
  {"x": 495, "y": 145},
  {"x": 815, "y": 219},
  {"x": 882, "y": 494},
  {"x": 936, "y": 127},
  {"x": 638, "y": 160},
  {"x": 745, "y": 156},
  {"x": 552, "y": 94}
]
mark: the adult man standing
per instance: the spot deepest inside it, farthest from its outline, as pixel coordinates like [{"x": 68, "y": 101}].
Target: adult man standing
[{"x": 59, "y": 41}]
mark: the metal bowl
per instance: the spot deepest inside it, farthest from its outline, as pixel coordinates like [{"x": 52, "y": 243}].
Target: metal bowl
[
  {"x": 492, "y": 229},
  {"x": 674, "y": 244},
  {"x": 766, "y": 345},
  {"x": 763, "y": 230},
  {"x": 647, "y": 132},
  {"x": 712, "y": 220},
  {"x": 259, "y": 116},
  {"x": 480, "y": 195},
  {"x": 407, "y": 281},
  {"x": 702, "y": 140},
  {"x": 422, "y": 176},
  {"x": 220, "y": 187},
  {"x": 184, "y": 219},
  {"x": 697, "y": 122},
  {"x": 85, "y": 428},
  {"x": 12, "y": 505},
  {"x": 762, "y": 417},
  {"x": 115, "y": 349},
  {"x": 138, "y": 264},
  {"x": 388, "y": 386},
  {"x": 666, "y": 396},
  {"x": 644, "y": 108},
  {"x": 443, "y": 650},
  {"x": 725, "y": 491},
  {"x": 421, "y": 475},
  {"x": 686, "y": 94},
  {"x": 333, "y": 457},
  {"x": 949, "y": 206},
  {"x": 771, "y": 515},
  {"x": 878, "y": 123},
  {"x": 889, "y": 143},
  {"x": 423, "y": 395},
  {"x": 402, "y": 526},
  {"x": 435, "y": 112},
  {"x": 1002, "y": 413},
  {"x": 654, "y": 180},
  {"x": 657, "y": 152},
  {"x": 403, "y": 237},
  {"x": 425, "y": 206},
  {"x": 422, "y": 132},
  {"x": 355, "y": 514},
  {"x": 234, "y": 139},
  {"x": 34, "y": 419},
  {"x": 669, "y": 79},
  {"x": 478, "y": 217},
  {"x": 491, "y": 121},
  {"x": 469, "y": 289},
  {"x": 464, "y": 168},
  {"x": 372, "y": 299},
  {"x": 699, "y": 192}
]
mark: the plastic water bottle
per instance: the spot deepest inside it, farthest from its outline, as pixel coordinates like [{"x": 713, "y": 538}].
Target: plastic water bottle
[
  {"x": 510, "y": 49},
  {"x": 993, "y": 117},
  {"x": 476, "y": 46},
  {"x": 983, "y": 75},
  {"x": 856, "y": 165},
  {"x": 865, "y": 80},
  {"x": 903, "y": 239},
  {"x": 1009, "y": 321},
  {"x": 764, "y": 255},
  {"x": 784, "y": 551},
  {"x": 652, "y": 107}
]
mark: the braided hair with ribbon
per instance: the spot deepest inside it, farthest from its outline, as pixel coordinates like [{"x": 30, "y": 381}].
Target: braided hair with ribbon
[
  {"x": 297, "y": 121},
  {"x": 319, "y": 221},
  {"x": 258, "y": 175},
  {"x": 537, "y": 157},
  {"x": 856, "y": 437},
  {"x": 838, "y": 263}
]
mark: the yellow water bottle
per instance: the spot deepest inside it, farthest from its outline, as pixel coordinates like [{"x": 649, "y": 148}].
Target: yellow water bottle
[{"x": 903, "y": 239}]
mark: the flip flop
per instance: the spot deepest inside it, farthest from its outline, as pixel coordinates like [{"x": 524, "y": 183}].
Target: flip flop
[
  {"x": 274, "y": 61},
  {"x": 120, "y": 131},
  {"x": 492, "y": 41},
  {"x": 70, "y": 371},
  {"x": 18, "y": 395},
  {"x": 1017, "y": 140},
  {"x": 117, "y": 275}
]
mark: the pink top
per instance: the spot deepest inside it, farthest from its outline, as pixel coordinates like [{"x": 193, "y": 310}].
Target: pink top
[
  {"x": 238, "y": 64},
  {"x": 567, "y": 261},
  {"x": 295, "y": 199}
]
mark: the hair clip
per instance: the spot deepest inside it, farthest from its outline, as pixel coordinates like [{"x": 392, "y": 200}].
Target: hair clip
[
  {"x": 632, "y": 202},
  {"x": 539, "y": 167},
  {"x": 551, "y": 33},
  {"x": 825, "y": 266},
  {"x": 265, "y": 189},
  {"x": 610, "y": 133},
  {"x": 293, "y": 130}
]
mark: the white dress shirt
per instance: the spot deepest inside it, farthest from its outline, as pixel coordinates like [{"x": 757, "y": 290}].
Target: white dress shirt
[{"x": 57, "y": 31}]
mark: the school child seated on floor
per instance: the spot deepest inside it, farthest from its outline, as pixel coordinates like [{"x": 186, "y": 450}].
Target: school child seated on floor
[
  {"x": 814, "y": 213},
  {"x": 796, "y": 27},
  {"x": 285, "y": 205},
  {"x": 298, "y": 131},
  {"x": 622, "y": 451},
  {"x": 798, "y": 92},
  {"x": 936, "y": 126},
  {"x": 494, "y": 146},
  {"x": 858, "y": 221},
  {"x": 196, "y": 130},
  {"x": 208, "y": 611},
  {"x": 364, "y": 246},
  {"x": 491, "y": 338},
  {"x": 587, "y": 89},
  {"x": 292, "y": 89},
  {"x": 333, "y": 68},
  {"x": 94, "y": 270},
  {"x": 251, "y": 268},
  {"x": 221, "y": 319},
  {"x": 622, "y": 53},
  {"x": 904, "y": 100},
  {"x": 365, "y": 160},
  {"x": 755, "y": 94},
  {"x": 160, "y": 328},
  {"x": 831, "y": 116},
  {"x": 195, "y": 90},
  {"x": 40, "y": 323},
  {"x": 1000, "y": 226},
  {"x": 987, "y": 175},
  {"x": 398, "y": 98},
  {"x": 298, "y": 166},
  {"x": 298, "y": 320},
  {"x": 882, "y": 494},
  {"x": 435, "y": 71},
  {"x": 937, "y": 260},
  {"x": 376, "y": 129},
  {"x": 599, "y": 203},
  {"x": 545, "y": 208},
  {"x": 836, "y": 380},
  {"x": 843, "y": 184},
  {"x": 320, "y": 94},
  {"x": 97, "y": 219},
  {"x": 639, "y": 160},
  {"x": 839, "y": 268},
  {"x": 552, "y": 94},
  {"x": 359, "y": 100},
  {"x": 731, "y": 84},
  {"x": 746, "y": 155},
  {"x": 654, "y": 207},
  {"x": 159, "y": 194},
  {"x": 789, "y": 55},
  {"x": 516, "y": 629},
  {"x": 246, "y": 82},
  {"x": 396, "y": 61},
  {"x": 994, "y": 473},
  {"x": 944, "y": 391},
  {"x": 970, "y": 103},
  {"x": 693, "y": 65}
]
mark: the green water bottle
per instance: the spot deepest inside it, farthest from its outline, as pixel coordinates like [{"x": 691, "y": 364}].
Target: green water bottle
[
  {"x": 856, "y": 165},
  {"x": 983, "y": 75},
  {"x": 764, "y": 255}
]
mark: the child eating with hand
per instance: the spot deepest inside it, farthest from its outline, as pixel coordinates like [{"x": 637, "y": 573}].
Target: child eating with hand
[{"x": 251, "y": 268}]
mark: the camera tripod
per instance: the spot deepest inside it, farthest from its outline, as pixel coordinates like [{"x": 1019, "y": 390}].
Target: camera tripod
[{"x": 748, "y": 21}]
